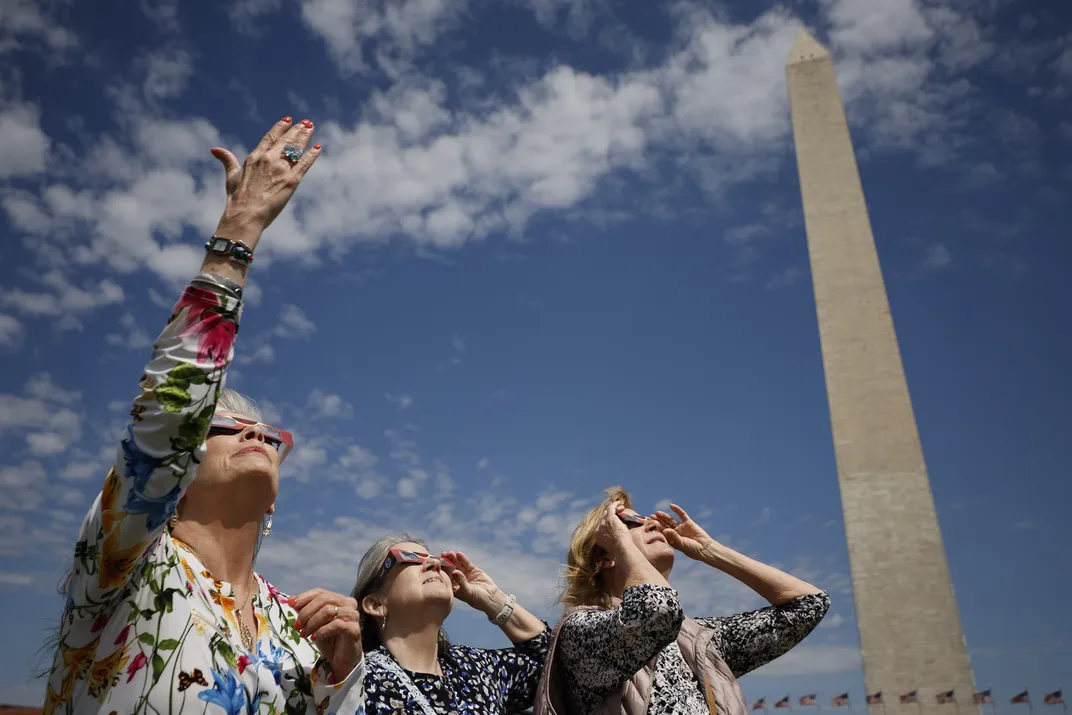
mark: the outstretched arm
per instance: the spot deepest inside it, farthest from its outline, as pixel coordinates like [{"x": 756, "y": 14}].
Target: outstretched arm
[{"x": 164, "y": 441}]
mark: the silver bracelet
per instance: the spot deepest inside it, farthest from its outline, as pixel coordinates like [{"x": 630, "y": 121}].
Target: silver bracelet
[
  {"x": 219, "y": 281},
  {"x": 504, "y": 614}
]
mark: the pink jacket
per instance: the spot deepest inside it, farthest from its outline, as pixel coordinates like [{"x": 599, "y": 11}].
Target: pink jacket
[{"x": 724, "y": 696}]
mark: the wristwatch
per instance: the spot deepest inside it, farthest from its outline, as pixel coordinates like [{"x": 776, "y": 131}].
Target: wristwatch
[{"x": 235, "y": 250}]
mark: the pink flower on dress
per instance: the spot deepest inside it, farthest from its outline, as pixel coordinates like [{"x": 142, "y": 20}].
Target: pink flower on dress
[
  {"x": 216, "y": 336},
  {"x": 101, "y": 622},
  {"x": 243, "y": 661},
  {"x": 122, "y": 637},
  {"x": 205, "y": 318},
  {"x": 198, "y": 300},
  {"x": 137, "y": 664}
]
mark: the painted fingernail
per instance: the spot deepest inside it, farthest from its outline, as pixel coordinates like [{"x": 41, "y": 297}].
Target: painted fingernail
[
  {"x": 297, "y": 624},
  {"x": 316, "y": 146},
  {"x": 307, "y": 123},
  {"x": 287, "y": 120},
  {"x": 312, "y": 637}
]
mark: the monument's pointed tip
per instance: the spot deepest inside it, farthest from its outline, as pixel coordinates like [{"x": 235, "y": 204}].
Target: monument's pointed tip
[{"x": 806, "y": 48}]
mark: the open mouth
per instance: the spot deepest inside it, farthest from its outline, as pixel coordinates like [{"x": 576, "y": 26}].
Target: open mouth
[
  {"x": 657, "y": 537},
  {"x": 432, "y": 579},
  {"x": 258, "y": 450}
]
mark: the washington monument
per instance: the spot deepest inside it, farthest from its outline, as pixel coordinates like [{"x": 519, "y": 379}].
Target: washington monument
[{"x": 911, "y": 637}]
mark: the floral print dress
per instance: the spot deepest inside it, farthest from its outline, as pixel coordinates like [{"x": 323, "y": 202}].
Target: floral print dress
[{"x": 146, "y": 628}]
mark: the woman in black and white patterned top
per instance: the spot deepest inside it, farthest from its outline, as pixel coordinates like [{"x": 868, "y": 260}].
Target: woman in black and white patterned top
[
  {"x": 619, "y": 562},
  {"x": 404, "y": 594}
]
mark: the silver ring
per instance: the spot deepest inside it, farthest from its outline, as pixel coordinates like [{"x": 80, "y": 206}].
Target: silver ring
[
  {"x": 292, "y": 153},
  {"x": 336, "y": 613}
]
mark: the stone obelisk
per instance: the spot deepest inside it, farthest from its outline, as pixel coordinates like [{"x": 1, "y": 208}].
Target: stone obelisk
[{"x": 911, "y": 638}]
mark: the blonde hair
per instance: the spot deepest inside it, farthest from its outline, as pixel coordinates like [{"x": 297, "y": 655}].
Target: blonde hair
[{"x": 583, "y": 577}]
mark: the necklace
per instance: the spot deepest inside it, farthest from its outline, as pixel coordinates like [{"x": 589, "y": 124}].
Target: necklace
[{"x": 243, "y": 630}]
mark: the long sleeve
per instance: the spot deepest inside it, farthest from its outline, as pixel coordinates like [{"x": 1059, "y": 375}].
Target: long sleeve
[
  {"x": 346, "y": 697},
  {"x": 159, "y": 452},
  {"x": 519, "y": 668},
  {"x": 750, "y": 640},
  {"x": 601, "y": 649}
]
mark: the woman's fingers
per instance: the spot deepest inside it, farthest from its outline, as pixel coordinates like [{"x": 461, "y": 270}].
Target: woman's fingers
[
  {"x": 328, "y": 615},
  {"x": 666, "y": 520},
  {"x": 231, "y": 165},
  {"x": 680, "y": 512},
  {"x": 307, "y": 160},
  {"x": 298, "y": 135},
  {"x": 341, "y": 626},
  {"x": 277, "y": 130}
]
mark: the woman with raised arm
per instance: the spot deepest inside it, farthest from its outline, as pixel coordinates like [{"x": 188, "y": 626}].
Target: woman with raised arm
[
  {"x": 164, "y": 612},
  {"x": 404, "y": 595},
  {"x": 625, "y": 647}
]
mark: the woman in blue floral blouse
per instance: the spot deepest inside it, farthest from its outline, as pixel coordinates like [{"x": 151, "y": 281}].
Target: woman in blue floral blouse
[{"x": 164, "y": 612}]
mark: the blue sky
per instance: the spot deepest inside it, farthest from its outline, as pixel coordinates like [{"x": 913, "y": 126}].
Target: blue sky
[{"x": 550, "y": 247}]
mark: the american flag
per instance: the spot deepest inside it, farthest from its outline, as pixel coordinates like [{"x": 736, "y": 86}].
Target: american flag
[
  {"x": 909, "y": 698},
  {"x": 783, "y": 703},
  {"x": 1021, "y": 698},
  {"x": 760, "y": 704},
  {"x": 806, "y": 700},
  {"x": 982, "y": 697},
  {"x": 944, "y": 698},
  {"x": 1054, "y": 698},
  {"x": 875, "y": 699},
  {"x": 841, "y": 700}
]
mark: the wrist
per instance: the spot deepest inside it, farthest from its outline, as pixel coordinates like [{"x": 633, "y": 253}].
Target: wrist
[
  {"x": 714, "y": 554},
  {"x": 494, "y": 603},
  {"x": 239, "y": 226}
]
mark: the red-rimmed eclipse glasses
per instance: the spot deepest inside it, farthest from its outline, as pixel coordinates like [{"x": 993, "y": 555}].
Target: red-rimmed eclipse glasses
[
  {"x": 404, "y": 556},
  {"x": 282, "y": 440}
]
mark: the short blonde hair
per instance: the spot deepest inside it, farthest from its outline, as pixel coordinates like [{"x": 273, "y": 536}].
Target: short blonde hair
[{"x": 583, "y": 576}]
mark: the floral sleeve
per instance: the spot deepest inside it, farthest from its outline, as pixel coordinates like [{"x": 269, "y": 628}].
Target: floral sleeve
[
  {"x": 750, "y": 640},
  {"x": 601, "y": 649},
  {"x": 159, "y": 452}
]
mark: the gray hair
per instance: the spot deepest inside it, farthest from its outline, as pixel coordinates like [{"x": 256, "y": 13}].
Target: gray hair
[
  {"x": 239, "y": 404},
  {"x": 368, "y": 582}
]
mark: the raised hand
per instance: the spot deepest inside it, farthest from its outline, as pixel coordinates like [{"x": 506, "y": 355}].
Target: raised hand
[
  {"x": 472, "y": 585},
  {"x": 683, "y": 533},
  {"x": 333, "y": 622},
  {"x": 259, "y": 187},
  {"x": 612, "y": 532}
]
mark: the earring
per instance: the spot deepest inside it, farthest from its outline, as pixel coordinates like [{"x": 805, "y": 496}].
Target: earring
[
  {"x": 173, "y": 521},
  {"x": 267, "y": 526}
]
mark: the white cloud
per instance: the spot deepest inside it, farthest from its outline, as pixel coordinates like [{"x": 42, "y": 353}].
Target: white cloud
[
  {"x": 404, "y": 402},
  {"x": 263, "y": 353},
  {"x": 459, "y": 345},
  {"x": 10, "y": 331},
  {"x": 64, "y": 299},
  {"x": 938, "y": 256},
  {"x": 23, "y": 21},
  {"x": 818, "y": 659},
  {"x": 133, "y": 338},
  {"x": 20, "y": 485},
  {"x": 23, "y": 144},
  {"x": 324, "y": 404},
  {"x": 294, "y": 323},
  {"x": 483, "y": 463},
  {"x": 167, "y": 72},
  {"x": 43, "y": 416},
  {"x": 386, "y": 33}
]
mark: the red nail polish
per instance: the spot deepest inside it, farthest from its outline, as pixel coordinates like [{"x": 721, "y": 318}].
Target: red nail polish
[
  {"x": 297, "y": 624},
  {"x": 287, "y": 120},
  {"x": 316, "y": 146},
  {"x": 307, "y": 123},
  {"x": 312, "y": 637}
]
